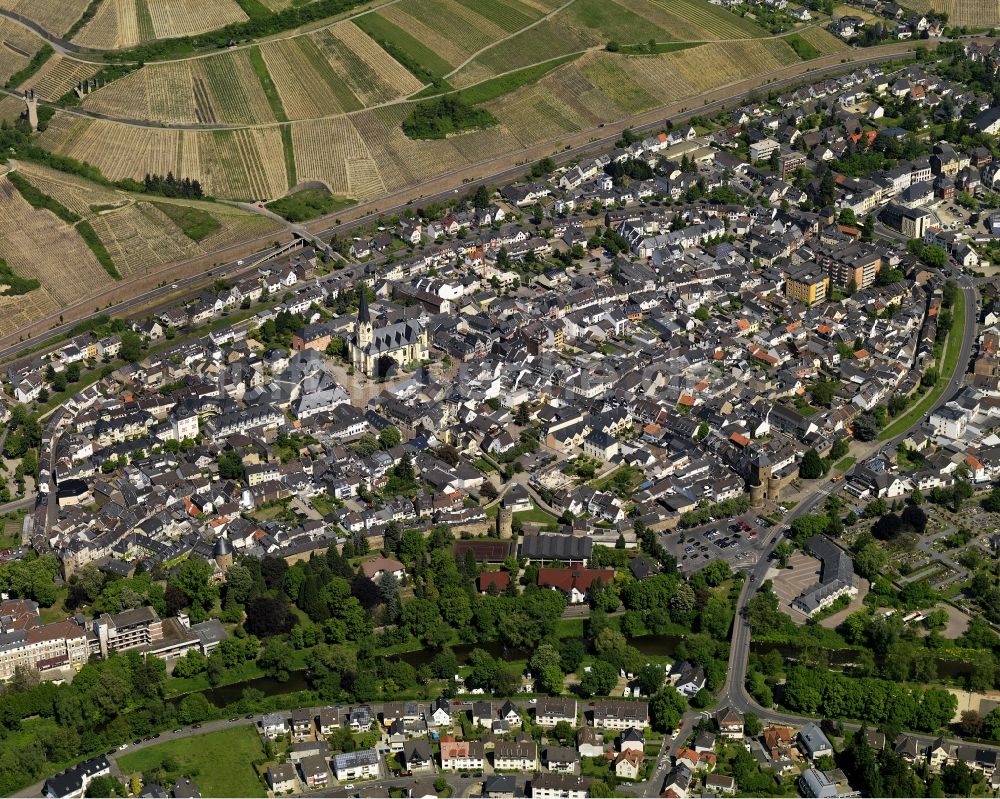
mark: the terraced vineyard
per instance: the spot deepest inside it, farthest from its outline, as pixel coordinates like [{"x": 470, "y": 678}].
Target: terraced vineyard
[
  {"x": 17, "y": 46},
  {"x": 58, "y": 76}
]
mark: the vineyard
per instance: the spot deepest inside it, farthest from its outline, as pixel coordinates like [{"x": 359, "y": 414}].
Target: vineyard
[
  {"x": 25, "y": 232},
  {"x": 693, "y": 20},
  {"x": 321, "y": 74},
  {"x": 243, "y": 164},
  {"x": 58, "y": 76},
  {"x": 17, "y": 46},
  {"x": 55, "y": 16},
  {"x": 823, "y": 40},
  {"x": 121, "y": 24}
]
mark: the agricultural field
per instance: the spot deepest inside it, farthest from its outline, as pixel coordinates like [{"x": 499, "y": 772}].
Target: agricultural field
[
  {"x": 321, "y": 74},
  {"x": 587, "y": 24},
  {"x": 332, "y": 152},
  {"x": 824, "y": 41},
  {"x": 55, "y": 16},
  {"x": 24, "y": 233},
  {"x": 120, "y": 24},
  {"x": 17, "y": 46},
  {"x": 966, "y": 13},
  {"x": 58, "y": 76}
]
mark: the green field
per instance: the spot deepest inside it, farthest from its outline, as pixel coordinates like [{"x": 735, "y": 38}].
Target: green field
[
  {"x": 194, "y": 222},
  {"x": 952, "y": 348},
  {"x": 219, "y": 762},
  {"x": 805, "y": 50},
  {"x": 273, "y": 98},
  {"x": 308, "y": 204},
  {"x": 845, "y": 463}
]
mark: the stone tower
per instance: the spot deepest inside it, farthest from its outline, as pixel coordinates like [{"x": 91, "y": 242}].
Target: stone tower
[
  {"x": 32, "y": 103},
  {"x": 363, "y": 329},
  {"x": 505, "y": 523},
  {"x": 223, "y": 553},
  {"x": 759, "y": 479}
]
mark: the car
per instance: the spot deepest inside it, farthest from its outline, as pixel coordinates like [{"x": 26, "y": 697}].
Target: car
[
  {"x": 703, "y": 548},
  {"x": 349, "y": 786},
  {"x": 195, "y": 726},
  {"x": 532, "y": 701},
  {"x": 689, "y": 550},
  {"x": 179, "y": 729},
  {"x": 737, "y": 535},
  {"x": 752, "y": 534},
  {"x": 234, "y": 718},
  {"x": 122, "y": 747},
  {"x": 248, "y": 716},
  {"x": 157, "y": 735}
]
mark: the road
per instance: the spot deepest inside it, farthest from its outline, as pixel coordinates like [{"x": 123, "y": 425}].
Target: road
[
  {"x": 444, "y": 186},
  {"x": 734, "y": 690}
]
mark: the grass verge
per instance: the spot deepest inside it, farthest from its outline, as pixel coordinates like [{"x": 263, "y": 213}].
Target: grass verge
[
  {"x": 289, "y": 149},
  {"x": 89, "y": 235},
  {"x": 803, "y": 49},
  {"x": 270, "y": 90},
  {"x": 845, "y": 463}
]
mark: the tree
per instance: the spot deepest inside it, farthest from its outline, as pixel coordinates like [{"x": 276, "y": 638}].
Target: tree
[
  {"x": 866, "y": 427},
  {"x": 811, "y": 466},
  {"x": 650, "y": 678},
  {"x": 600, "y": 680},
  {"x": 267, "y": 616},
  {"x": 276, "y": 660},
  {"x": 389, "y": 437},
  {"x": 666, "y": 708},
  {"x": 132, "y": 346},
  {"x": 751, "y": 725},
  {"x": 105, "y": 786}
]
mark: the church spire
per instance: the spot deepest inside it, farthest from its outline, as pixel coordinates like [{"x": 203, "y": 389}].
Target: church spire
[{"x": 363, "y": 315}]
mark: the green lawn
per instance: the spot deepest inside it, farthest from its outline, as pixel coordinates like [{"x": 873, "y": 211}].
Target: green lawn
[
  {"x": 845, "y": 463},
  {"x": 178, "y": 686},
  {"x": 195, "y": 223},
  {"x": 952, "y": 348},
  {"x": 804, "y": 49},
  {"x": 219, "y": 762},
  {"x": 308, "y": 204},
  {"x": 536, "y": 515}
]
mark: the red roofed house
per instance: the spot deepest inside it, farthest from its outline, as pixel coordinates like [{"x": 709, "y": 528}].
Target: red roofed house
[
  {"x": 377, "y": 568},
  {"x": 575, "y": 582},
  {"x": 499, "y": 579}
]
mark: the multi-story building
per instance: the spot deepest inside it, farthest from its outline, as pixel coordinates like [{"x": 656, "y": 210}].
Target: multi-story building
[
  {"x": 807, "y": 285},
  {"x": 27, "y": 643},
  {"x": 129, "y": 629}
]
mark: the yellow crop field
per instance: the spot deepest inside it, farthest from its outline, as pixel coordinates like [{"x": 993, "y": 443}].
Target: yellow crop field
[
  {"x": 446, "y": 27},
  {"x": 58, "y": 76},
  {"x": 75, "y": 193},
  {"x": 187, "y": 17},
  {"x": 11, "y": 108},
  {"x": 974, "y": 13},
  {"x": 307, "y": 85},
  {"x": 55, "y": 16},
  {"x": 25, "y": 232},
  {"x": 17, "y": 46}
]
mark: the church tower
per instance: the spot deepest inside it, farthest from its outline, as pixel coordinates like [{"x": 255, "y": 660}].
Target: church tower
[{"x": 363, "y": 330}]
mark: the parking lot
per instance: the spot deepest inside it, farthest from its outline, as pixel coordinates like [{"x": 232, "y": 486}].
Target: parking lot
[
  {"x": 803, "y": 570},
  {"x": 737, "y": 541}
]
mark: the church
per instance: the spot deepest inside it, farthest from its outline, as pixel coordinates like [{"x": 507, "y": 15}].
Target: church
[{"x": 377, "y": 352}]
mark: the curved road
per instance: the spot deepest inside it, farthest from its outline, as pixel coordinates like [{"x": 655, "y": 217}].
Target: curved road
[{"x": 734, "y": 690}]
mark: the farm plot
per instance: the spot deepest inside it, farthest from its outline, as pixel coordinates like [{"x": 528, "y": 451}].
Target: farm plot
[
  {"x": 55, "y": 16},
  {"x": 418, "y": 57},
  {"x": 324, "y": 149},
  {"x": 244, "y": 164},
  {"x": 606, "y": 20},
  {"x": 114, "y": 26},
  {"x": 533, "y": 114},
  {"x": 304, "y": 79},
  {"x": 119, "y": 151},
  {"x": 548, "y": 39},
  {"x": 973, "y": 13},
  {"x": 11, "y": 108},
  {"x": 511, "y": 15},
  {"x": 17, "y": 46},
  {"x": 372, "y": 75},
  {"x": 58, "y": 76},
  {"x": 26, "y": 231},
  {"x": 188, "y": 17}
]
